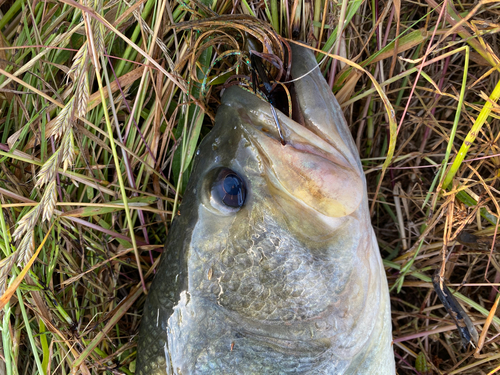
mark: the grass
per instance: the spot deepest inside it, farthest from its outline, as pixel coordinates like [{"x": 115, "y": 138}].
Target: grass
[{"x": 88, "y": 185}]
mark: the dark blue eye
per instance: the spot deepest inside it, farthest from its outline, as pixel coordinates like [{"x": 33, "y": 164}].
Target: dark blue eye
[{"x": 229, "y": 188}]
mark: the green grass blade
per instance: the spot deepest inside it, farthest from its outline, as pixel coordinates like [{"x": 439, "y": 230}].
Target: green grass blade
[{"x": 473, "y": 133}]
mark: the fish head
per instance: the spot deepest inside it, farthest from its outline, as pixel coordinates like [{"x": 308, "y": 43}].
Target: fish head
[
  {"x": 271, "y": 264},
  {"x": 316, "y": 174}
]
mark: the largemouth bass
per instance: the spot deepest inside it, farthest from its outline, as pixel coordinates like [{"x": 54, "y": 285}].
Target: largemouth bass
[{"x": 272, "y": 266}]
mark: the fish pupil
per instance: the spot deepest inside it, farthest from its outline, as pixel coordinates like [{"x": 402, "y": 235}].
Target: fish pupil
[
  {"x": 232, "y": 184},
  {"x": 229, "y": 188}
]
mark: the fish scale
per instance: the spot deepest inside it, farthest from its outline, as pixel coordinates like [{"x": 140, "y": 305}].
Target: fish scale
[{"x": 285, "y": 277}]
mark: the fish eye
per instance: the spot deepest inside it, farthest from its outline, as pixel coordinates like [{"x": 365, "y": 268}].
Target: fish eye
[{"x": 229, "y": 189}]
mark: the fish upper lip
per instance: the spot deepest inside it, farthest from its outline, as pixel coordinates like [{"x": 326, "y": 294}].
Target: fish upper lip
[{"x": 259, "y": 122}]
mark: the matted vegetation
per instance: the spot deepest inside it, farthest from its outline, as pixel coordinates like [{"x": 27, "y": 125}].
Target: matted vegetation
[{"x": 419, "y": 84}]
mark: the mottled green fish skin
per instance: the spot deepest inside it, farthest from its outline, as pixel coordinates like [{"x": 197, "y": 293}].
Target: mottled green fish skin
[{"x": 293, "y": 282}]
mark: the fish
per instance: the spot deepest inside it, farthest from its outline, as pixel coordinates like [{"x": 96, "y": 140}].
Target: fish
[{"x": 271, "y": 265}]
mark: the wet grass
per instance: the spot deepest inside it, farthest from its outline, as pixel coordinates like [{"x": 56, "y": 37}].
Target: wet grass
[{"x": 419, "y": 84}]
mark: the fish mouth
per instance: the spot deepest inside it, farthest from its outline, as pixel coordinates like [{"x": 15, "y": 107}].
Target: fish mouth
[{"x": 317, "y": 165}]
